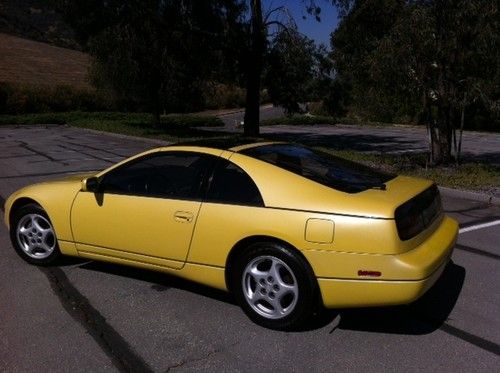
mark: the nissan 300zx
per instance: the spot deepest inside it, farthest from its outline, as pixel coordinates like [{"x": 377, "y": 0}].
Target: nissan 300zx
[{"x": 283, "y": 227}]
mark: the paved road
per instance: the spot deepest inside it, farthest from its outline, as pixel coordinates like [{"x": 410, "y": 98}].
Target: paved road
[
  {"x": 234, "y": 120},
  {"x": 88, "y": 316},
  {"x": 477, "y": 146}
]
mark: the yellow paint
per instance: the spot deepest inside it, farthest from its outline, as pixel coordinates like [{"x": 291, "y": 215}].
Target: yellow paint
[
  {"x": 207, "y": 275},
  {"x": 338, "y": 293},
  {"x": 56, "y": 198},
  {"x": 337, "y": 233},
  {"x": 319, "y": 231},
  {"x": 140, "y": 225},
  {"x": 67, "y": 248},
  {"x": 415, "y": 264}
]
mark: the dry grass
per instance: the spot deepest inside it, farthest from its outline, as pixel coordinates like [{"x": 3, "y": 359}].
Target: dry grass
[
  {"x": 475, "y": 176},
  {"x": 30, "y": 62}
]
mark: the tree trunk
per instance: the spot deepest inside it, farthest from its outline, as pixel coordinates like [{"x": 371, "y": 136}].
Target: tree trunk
[
  {"x": 441, "y": 141},
  {"x": 155, "y": 98},
  {"x": 427, "y": 118},
  {"x": 254, "y": 71},
  {"x": 462, "y": 121},
  {"x": 156, "y": 121}
]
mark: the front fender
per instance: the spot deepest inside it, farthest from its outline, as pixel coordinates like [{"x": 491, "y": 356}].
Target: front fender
[{"x": 56, "y": 198}]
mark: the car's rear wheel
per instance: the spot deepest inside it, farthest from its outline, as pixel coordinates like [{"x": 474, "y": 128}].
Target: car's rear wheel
[
  {"x": 274, "y": 285},
  {"x": 33, "y": 235}
]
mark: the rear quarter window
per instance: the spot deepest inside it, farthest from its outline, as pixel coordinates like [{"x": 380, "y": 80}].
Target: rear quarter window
[{"x": 231, "y": 185}]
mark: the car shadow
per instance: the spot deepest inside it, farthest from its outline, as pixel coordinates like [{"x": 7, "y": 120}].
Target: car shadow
[
  {"x": 423, "y": 316},
  {"x": 159, "y": 281},
  {"x": 68, "y": 261}
]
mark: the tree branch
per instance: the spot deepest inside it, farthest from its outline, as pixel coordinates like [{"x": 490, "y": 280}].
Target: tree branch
[{"x": 277, "y": 9}]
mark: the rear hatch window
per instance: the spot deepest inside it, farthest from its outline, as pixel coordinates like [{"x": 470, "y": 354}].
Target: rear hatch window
[{"x": 322, "y": 167}]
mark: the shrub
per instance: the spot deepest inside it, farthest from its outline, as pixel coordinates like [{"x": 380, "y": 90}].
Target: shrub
[
  {"x": 224, "y": 96},
  {"x": 317, "y": 108},
  {"x": 191, "y": 121},
  {"x": 24, "y": 99}
]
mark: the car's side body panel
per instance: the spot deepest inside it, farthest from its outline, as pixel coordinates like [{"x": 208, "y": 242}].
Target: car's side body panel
[
  {"x": 127, "y": 257},
  {"x": 137, "y": 228},
  {"x": 220, "y": 227},
  {"x": 203, "y": 274}
]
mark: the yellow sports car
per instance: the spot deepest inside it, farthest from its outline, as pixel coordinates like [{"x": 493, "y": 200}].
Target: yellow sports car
[{"x": 283, "y": 227}]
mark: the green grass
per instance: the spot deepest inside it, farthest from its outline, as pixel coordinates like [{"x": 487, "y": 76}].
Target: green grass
[
  {"x": 470, "y": 175},
  {"x": 173, "y": 127},
  {"x": 300, "y": 120}
]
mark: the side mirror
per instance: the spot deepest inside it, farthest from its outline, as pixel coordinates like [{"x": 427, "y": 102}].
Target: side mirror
[{"x": 90, "y": 184}]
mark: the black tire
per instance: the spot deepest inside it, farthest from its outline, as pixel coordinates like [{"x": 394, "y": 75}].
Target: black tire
[
  {"x": 296, "y": 296},
  {"x": 38, "y": 242}
]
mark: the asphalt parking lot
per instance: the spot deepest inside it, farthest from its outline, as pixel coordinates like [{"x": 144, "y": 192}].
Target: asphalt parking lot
[
  {"x": 476, "y": 146},
  {"x": 89, "y": 316}
]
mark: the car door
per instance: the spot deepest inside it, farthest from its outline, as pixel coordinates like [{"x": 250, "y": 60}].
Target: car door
[{"x": 144, "y": 211}]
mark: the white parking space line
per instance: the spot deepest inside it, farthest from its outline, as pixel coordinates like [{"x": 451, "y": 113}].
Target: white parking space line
[{"x": 479, "y": 226}]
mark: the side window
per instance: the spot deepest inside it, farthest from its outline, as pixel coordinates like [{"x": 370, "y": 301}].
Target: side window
[
  {"x": 230, "y": 184},
  {"x": 169, "y": 175}
]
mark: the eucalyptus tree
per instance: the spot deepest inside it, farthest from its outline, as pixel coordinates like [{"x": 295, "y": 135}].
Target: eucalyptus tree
[
  {"x": 433, "y": 59},
  {"x": 291, "y": 69}
]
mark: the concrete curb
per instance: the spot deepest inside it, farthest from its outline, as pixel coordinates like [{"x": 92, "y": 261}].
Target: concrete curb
[
  {"x": 229, "y": 111},
  {"x": 474, "y": 196},
  {"x": 123, "y": 136}
]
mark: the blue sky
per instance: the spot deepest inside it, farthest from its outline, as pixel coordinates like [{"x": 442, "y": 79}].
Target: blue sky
[{"x": 318, "y": 31}]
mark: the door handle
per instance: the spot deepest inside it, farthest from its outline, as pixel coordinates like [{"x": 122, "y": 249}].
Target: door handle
[{"x": 183, "y": 216}]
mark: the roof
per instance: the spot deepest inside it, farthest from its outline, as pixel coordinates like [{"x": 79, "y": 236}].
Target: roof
[{"x": 227, "y": 143}]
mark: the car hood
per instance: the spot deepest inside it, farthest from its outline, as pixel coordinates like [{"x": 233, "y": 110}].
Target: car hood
[{"x": 72, "y": 178}]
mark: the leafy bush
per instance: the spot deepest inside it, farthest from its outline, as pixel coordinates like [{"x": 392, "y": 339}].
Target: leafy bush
[
  {"x": 18, "y": 99},
  {"x": 317, "y": 108},
  {"x": 218, "y": 96}
]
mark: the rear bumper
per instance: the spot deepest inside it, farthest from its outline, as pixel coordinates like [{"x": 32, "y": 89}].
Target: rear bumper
[
  {"x": 365, "y": 293},
  {"x": 416, "y": 271}
]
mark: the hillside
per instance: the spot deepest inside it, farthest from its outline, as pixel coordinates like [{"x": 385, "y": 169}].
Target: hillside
[
  {"x": 29, "y": 62},
  {"x": 36, "y": 20}
]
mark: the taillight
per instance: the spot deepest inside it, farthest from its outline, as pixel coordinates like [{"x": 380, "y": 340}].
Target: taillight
[
  {"x": 418, "y": 213},
  {"x": 409, "y": 223}
]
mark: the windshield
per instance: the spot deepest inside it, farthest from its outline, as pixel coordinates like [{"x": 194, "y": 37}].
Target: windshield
[{"x": 322, "y": 167}]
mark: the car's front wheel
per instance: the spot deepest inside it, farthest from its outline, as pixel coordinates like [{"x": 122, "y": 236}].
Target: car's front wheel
[
  {"x": 33, "y": 235},
  {"x": 274, "y": 286}
]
